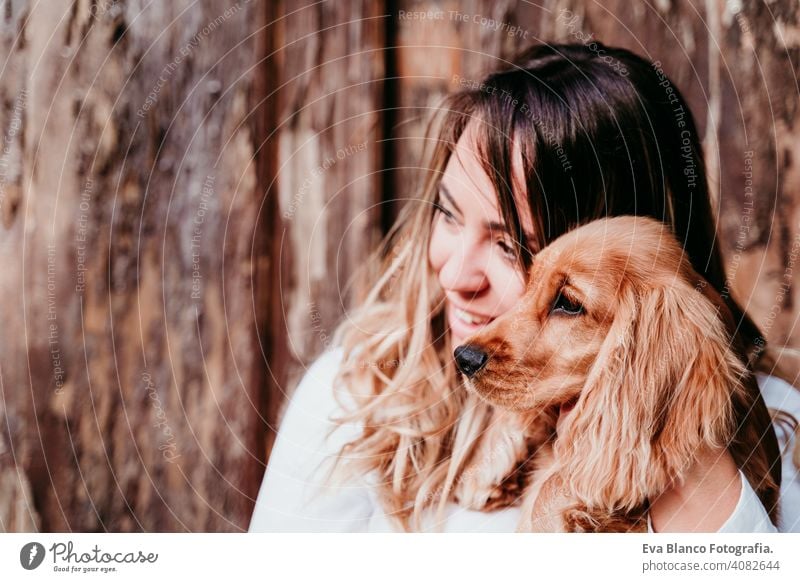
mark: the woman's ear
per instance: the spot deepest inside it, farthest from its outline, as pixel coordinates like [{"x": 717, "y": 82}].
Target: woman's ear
[{"x": 658, "y": 392}]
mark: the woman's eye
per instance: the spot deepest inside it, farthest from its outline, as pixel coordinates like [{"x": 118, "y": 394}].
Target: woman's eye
[
  {"x": 565, "y": 305},
  {"x": 448, "y": 216},
  {"x": 507, "y": 249}
]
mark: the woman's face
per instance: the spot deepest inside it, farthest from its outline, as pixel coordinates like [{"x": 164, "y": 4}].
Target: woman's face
[{"x": 470, "y": 250}]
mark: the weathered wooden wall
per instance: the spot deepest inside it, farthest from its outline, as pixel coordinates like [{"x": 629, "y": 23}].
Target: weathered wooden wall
[
  {"x": 187, "y": 187},
  {"x": 128, "y": 336}
]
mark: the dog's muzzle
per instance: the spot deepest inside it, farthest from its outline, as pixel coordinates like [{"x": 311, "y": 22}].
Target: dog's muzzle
[{"x": 470, "y": 359}]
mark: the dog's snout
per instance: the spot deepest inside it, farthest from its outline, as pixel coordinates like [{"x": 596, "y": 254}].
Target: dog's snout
[{"x": 470, "y": 359}]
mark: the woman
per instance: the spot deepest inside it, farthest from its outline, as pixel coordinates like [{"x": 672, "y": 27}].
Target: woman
[{"x": 559, "y": 138}]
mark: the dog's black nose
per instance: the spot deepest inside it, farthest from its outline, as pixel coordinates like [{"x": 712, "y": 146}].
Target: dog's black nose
[{"x": 470, "y": 359}]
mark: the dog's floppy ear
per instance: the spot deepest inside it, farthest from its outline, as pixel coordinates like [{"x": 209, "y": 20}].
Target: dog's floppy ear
[
  {"x": 658, "y": 392},
  {"x": 755, "y": 447}
]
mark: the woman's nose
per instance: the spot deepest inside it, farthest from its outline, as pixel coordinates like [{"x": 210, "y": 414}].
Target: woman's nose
[{"x": 463, "y": 272}]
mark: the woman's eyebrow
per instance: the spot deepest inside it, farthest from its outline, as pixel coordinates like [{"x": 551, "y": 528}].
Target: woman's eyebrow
[{"x": 492, "y": 226}]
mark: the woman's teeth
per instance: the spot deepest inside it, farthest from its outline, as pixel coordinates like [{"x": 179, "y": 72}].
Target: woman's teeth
[{"x": 469, "y": 318}]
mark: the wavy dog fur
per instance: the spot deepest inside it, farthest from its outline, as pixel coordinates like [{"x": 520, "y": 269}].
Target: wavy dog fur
[{"x": 616, "y": 321}]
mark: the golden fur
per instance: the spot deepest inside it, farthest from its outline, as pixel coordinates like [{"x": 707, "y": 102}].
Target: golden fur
[{"x": 650, "y": 366}]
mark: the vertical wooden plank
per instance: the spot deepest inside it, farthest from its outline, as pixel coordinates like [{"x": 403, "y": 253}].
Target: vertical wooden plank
[
  {"x": 17, "y": 509},
  {"x": 269, "y": 373},
  {"x": 329, "y": 132}
]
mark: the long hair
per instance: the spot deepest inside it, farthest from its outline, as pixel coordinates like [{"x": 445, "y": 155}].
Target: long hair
[{"x": 594, "y": 142}]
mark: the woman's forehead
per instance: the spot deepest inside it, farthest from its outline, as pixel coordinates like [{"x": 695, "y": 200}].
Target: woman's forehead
[{"x": 466, "y": 169}]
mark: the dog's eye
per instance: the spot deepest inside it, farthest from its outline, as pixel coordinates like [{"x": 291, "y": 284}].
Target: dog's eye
[{"x": 567, "y": 306}]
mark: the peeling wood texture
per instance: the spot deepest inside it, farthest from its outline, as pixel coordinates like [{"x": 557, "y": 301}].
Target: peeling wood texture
[
  {"x": 186, "y": 189},
  {"x": 330, "y": 154}
]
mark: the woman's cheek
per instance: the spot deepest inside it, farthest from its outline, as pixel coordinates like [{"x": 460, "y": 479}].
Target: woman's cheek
[
  {"x": 437, "y": 250},
  {"x": 511, "y": 285}
]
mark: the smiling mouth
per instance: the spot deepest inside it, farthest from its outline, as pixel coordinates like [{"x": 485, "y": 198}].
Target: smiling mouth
[{"x": 470, "y": 318}]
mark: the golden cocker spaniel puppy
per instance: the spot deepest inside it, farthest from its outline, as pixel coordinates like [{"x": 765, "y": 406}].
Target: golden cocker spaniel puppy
[{"x": 618, "y": 338}]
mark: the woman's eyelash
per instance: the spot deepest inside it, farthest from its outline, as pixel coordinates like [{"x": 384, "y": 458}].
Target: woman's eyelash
[
  {"x": 506, "y": 248},
  {"x": 447, "y": 214}
]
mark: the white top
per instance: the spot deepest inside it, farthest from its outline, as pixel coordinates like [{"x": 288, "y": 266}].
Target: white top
[
  {"x": 749, "y": 516},
  {"x": 294, "y": 496}
]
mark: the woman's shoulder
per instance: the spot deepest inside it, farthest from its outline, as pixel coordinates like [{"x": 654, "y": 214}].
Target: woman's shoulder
[
  {"x": 778, "y": 393},
  {"x": 296, "y": 494},
  {"x": 313, "y": 409},
  {"x": 749, "y": 515},
  {"x": 315, "y": 393},
  {"x": 310, "y": 428},
  {"x": 325, "y": 365}
]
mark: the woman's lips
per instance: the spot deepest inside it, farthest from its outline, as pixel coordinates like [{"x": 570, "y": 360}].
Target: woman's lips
[
  {"x": 470, "y": 316},
  {"x": 459, "y": 326}
]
